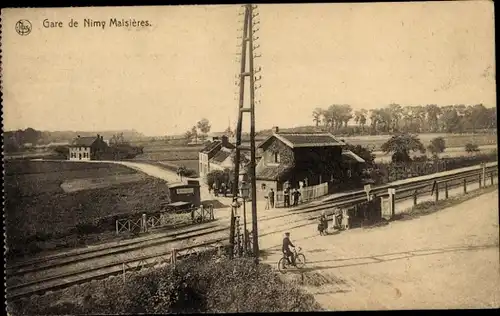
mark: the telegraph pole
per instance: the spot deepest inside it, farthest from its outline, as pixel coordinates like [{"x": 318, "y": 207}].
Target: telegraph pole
[{"x": 247, "y": 52}]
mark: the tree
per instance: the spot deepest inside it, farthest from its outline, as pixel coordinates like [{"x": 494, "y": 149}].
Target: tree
[
  {"x": 317, "y": 113},
  {"x": 188, "y": 134},
  {"x": 433, "y": 112},
  {"x": 450, "y": 121},
  {"x": 360, "y": 117},
  {"x": 420, "y": 115},
  {"x": 204, "y": 127},
  {"x": 401, "y": 145},
  {"x": 437, "y": 146},
  {"x": 376, "y": 120},
  {"x": 182, "y": 171},
  {"x": 117, "y": 139},
  {"x": 363, "y": 152},
  {"x": 194, "y": 134},
  {"x": 478, "y": 117},
  {"x": 395, "y": 112}
]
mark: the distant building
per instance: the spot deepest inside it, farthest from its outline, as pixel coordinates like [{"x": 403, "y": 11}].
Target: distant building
[
  {"x": 218, "y": 155},
  {"x": 290, "y": 158},
  {"x": 218, "y": 136},
  {"x": 87, "y": 148}
]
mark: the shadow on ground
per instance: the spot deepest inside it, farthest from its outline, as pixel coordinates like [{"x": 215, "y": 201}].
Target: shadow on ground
[
  {"x": 387, "y": 257},
  {"x": 216, "y": 203}
]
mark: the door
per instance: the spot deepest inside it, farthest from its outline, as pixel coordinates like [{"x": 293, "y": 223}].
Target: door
[{"x": 80, "y": 156}]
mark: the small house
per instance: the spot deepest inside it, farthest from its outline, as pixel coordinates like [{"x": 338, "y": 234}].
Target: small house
[
  {"x": 213, "y": 149},
  {"x": 290, "y": 159},
  {"x": 87, "y": 148}
]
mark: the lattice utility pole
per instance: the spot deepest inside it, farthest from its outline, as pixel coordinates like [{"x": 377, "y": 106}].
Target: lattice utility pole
[{"x": 247, "y": 52}]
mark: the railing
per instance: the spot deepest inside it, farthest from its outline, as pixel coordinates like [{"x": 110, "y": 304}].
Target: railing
[
  {"x": 311, "y": 193},
  {"x": 435, "y": 186},
  {"x": 145, "y": 222},
  {"x": 306, "y": 194}
]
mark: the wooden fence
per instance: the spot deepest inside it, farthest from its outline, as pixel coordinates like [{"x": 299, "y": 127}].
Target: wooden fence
[
  {"x": 306, "y": 194},
  {"x": 145, "y": 222}
]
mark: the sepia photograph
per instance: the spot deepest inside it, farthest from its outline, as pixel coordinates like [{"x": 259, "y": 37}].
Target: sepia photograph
[{"x": 250, "y": 158}]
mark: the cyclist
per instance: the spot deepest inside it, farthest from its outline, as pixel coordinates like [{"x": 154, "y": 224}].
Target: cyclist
[{"x": 286, "y": 250}]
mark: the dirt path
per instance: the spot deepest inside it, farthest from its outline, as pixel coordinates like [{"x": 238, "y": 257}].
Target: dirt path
[{"x": 449, "y": 259}]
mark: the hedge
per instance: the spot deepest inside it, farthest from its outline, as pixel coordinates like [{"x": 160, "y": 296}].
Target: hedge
[{"x": 199, "y": 284}]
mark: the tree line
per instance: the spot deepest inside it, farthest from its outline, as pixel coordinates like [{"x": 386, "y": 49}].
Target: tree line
[{"x": 409, "y": 119}]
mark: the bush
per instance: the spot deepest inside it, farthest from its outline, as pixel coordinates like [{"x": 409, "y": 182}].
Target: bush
[
  {"x": 471, "y": 148},
  {"x": 197, "y": 285},
  {"x": 437, "y": 146}
]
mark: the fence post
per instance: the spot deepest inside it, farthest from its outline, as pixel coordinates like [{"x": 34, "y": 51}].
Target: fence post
[
  {"x": 174, "y": 257},
  {"x": 392, "y": 201},
  {"x": 123, "y": 268},
  {"x": 437, "y": 191},
  {"x": 415, "y": 195},
  {"x": 484, "y": 175},
  {"x": 480, "y": 181},
  {"x": 465, "y": 185},
  {"x": 117, "y": 230},
  {"x": 144, "y": 223},
  {"x": 446, "y": 189},
  {"x": 491, "y": 177}
]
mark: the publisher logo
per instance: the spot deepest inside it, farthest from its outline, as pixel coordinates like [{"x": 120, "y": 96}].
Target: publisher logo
[{"x": 23, "y": 27}]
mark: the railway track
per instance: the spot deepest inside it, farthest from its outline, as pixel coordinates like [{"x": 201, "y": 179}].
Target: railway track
[{"x": 58, "y": 271}]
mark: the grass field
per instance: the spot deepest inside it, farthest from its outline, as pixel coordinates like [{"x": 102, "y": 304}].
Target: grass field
[{"x": 40, "y": 215}]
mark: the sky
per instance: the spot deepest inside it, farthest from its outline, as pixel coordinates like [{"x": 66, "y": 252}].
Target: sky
[{"x": 162, "y": 79}]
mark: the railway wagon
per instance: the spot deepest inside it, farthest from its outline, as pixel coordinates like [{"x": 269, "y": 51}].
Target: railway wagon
[{"x": 184, "y": 197}]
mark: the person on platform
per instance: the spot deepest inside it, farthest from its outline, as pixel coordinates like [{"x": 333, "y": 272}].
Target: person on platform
[
  {"x": 296, "y": 196},
  {"x": 223, "y": 189},
  {"x": 271, "y": 198},
  {"x": 286, "y": 195}
]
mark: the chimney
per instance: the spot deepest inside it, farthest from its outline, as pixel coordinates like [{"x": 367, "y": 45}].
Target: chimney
[
  {"x": 102, "y": 138},
  {"x": 224, "y": 140},
  {"x": 276, "y": 129},
  {"x": 78, "y": 136},
  {"x": 98, "y": 136}
]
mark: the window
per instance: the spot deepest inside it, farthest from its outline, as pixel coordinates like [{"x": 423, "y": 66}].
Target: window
[
  {"x": 276, "y": 158},
  {"x": 263, "y": 186}
]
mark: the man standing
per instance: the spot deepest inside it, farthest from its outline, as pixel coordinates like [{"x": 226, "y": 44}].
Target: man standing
[
  {"x": 296, "y": 196},
  {"x": 271, "y": 198},
  {"x": 286, "y": 194}
]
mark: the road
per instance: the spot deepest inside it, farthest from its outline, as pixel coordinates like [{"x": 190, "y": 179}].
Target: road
[{"x": 449, "y": 259}]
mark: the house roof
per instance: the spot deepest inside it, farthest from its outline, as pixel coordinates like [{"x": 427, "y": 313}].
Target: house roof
[
  {"x": 299, "y": 140},
  {"x": 221, "y": 156},
  {"x": 352, "y": 156},
  {"x": 83, "y": 141},
  {"x": 212, "y": 146},
  {"x": 275, "y": 173}
]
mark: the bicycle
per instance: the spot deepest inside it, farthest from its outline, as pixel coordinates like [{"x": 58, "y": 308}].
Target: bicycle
[{"x": 300, "y": 260}]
